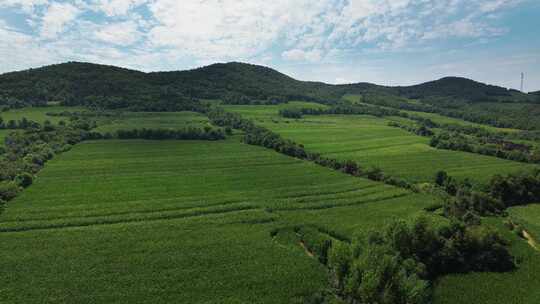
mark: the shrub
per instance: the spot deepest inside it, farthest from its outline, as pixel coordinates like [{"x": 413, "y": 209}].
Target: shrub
[
  {"x": 24, "y": 179},
  {"x": 8, "y": 190}
]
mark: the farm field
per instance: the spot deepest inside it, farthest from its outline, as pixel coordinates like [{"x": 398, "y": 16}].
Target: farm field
[
  {"x": 39, "y": 114},
  {"x": 371, "y": 142},
  {"x": 154, "y": 120},
  {"x": 180, "y": 221},
  {"x": 516, "y": 287}
]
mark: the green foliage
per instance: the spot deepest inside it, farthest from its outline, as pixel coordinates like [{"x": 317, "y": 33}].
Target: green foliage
[
  {"x": 516, "y": 189},
  {"x": 184, "y": 134},
  {"x": 291, "y": 113},
  {"x": 396, "y": 265}
]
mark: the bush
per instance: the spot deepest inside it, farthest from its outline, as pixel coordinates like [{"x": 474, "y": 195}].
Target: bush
[
  {"x": 8, "y": 190},
  {"x": 24, "y": 179}
]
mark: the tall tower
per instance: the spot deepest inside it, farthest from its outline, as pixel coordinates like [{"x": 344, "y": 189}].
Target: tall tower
[{"x": 522, "y": 78}]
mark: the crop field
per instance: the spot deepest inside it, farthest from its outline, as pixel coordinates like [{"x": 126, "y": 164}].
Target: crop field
[
  {"x": 371, "y": 142},
  {"x": 154, "y": 120},
  {"x": 179, "y": 221},
  {"x": 39, "y": 114},
  {"x": 516, "y": 287}
]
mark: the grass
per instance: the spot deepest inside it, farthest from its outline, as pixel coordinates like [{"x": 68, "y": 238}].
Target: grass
[
  {"x": 39, "y": 114},
  {"x": 519, "y": 286},
  {"x": 371, "y": 142},
  {"x": 3, "y": 134},
  {"x": 528, "y": 217},
  {"x": 179, "y": 221},
  {"x": 160, "y": 120}
]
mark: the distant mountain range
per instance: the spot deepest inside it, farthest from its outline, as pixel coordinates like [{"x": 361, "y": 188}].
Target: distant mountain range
[{"x": 76, "y": 83}]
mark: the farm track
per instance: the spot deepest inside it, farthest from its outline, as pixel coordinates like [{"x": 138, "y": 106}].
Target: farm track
[
  {"x": 111, "y": 221},
  {"x": 332, "y": 206}
]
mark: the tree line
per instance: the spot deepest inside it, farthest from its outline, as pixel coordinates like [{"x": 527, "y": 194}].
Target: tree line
[
  {"x": 190, "y": 133},
  {"x": 256, "y": 135}
]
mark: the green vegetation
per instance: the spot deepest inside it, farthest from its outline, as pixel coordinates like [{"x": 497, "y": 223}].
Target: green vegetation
[
  {"x": 372, "y": 143},
  {"x": 152, "y": 208},
  {"x": 38, "y": 114},
  {"x": 515, "y": 287},
  {"x": 371, "y": 197},
  {"x": 3, "y": 134},
  {"x": 528, "y": 218},
  {"x": 159, "y": 120}
]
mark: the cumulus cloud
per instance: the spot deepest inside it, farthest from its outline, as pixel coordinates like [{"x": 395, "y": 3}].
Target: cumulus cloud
[
  {"x": 148, "y": 33},
  {"x": 57, "y": 16},
  {"x": 118, "y": 7},
  {"x": 120, "y": 33},
  {"x": 302, "y": 55}
]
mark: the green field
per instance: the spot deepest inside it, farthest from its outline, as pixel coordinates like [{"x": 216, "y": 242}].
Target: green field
[
  {"x": 528, "y": 217},
  {"x": 3, "y": 134},
  {"x": 154, "y": 120},
  {"x": 179, "y": 221},
  {"x": 517, "y": 287},
  {"x": 39, "y": 114},
  {"x": 371, "y": 142}
]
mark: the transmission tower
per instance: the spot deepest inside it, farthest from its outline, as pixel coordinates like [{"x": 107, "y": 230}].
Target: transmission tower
[{"x": 522, "y": 78}]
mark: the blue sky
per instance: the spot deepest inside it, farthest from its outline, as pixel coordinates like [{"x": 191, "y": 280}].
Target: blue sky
[{"x": 392, "y": 42}]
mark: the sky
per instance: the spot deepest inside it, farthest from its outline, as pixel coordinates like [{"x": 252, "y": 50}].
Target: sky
[{"x": 388, "y": 42}]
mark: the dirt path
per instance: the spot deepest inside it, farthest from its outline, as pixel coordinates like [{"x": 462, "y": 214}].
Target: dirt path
[
  {"x": 309, "y": 253},
  {"x": 530, "y": 240}
]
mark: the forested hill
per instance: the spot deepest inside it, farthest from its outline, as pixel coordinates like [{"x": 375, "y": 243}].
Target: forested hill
[
  {"x": 76, "y": 83},
  {"x": 460, "y": 89}
]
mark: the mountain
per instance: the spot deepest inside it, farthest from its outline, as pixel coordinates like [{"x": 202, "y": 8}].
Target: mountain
[
  {"x": 77, "y": 83},
  {"x": 459, "y": 89}
]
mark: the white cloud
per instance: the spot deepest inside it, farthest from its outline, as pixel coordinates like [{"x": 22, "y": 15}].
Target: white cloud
[
  {"x": 57, "y": 16},
  {"x": 118, "y": 7},
  {"x": 27, "y": 6},
  {"x": 120, "y": 33},
  {"x": 302, "y": 55}
]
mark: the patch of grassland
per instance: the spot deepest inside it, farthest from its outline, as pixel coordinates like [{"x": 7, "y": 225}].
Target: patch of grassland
[
  {"x": 519, "y": 286},
  {"x": 528, "y": 217},
  {"x": 153, "y": 120},
  {"x": 3, "y": 134},
  {"x": 179, "y": 222},
  {"x": 39, "y": 114},
  {"x": 371, "y": 142}
]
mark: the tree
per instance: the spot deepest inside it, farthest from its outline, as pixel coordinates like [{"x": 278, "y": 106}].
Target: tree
[{"x": 440, "y": 178}]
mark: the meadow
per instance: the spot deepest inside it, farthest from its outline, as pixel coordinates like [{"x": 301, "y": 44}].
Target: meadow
[
  {"x": 528, "y": 217},
  {"x": 180, "y": 221},
  {"x": 39, "y": 114},
  {"x": 372, "y": 143}
]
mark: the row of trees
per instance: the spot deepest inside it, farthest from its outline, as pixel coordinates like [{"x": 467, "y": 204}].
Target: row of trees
[
  {"x": 291, "y": 113},
  {"x": 421, "y": 130},
  {"x": 190, "y": 133},
  {"x": 22, "y": 123},
  {"x": 497, "y": 148}
]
